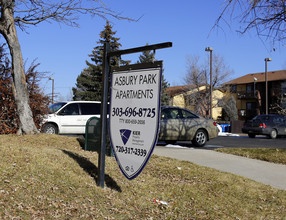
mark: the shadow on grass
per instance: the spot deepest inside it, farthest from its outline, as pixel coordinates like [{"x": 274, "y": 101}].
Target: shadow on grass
[
  {"x": 92, "y": 170},
  {"x": 81, "y": 142}
]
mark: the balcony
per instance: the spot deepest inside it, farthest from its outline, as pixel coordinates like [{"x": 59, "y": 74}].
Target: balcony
[{"x": 245, "y": 95}]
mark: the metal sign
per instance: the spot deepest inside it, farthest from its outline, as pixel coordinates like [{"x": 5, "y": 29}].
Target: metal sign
[{"x": 134, "y": 117}]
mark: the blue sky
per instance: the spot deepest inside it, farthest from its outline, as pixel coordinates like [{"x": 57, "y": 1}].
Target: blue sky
[{"x": 63, "y": 50}]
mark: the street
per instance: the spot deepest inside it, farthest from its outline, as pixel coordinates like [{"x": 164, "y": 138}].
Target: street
[
  {"x": 240, "y": 142},
  {"x": 246, "y": 142}
]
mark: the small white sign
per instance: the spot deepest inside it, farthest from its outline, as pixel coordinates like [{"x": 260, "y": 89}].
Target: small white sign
[{"x": 134, "y": 117}]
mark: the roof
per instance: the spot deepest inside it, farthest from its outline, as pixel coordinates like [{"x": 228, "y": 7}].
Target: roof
[
  {"x": 175, "y": 90},
  {"x": 250, "y": 78}
]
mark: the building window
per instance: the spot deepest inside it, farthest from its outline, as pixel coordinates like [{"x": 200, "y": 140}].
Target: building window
[
  {"x": 233, "y": 89},
  {"x": 249, "y": 88},
  {"x": 250, "y": 105},
  {"x": 283, "y": 95},
  {"x": 283, "y": 88}
]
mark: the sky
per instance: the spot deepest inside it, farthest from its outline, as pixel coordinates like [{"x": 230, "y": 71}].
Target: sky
[{"x": 62, "y": 51}]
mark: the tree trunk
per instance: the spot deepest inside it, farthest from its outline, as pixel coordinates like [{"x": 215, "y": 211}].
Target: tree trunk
[{"x": 19, "y": 85}]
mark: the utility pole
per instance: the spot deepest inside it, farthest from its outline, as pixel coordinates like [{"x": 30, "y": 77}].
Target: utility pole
[
  {"x": 266, "y": 85},
  {"x": 210, "y": 49},
  {"x": 52, "y": 89}
]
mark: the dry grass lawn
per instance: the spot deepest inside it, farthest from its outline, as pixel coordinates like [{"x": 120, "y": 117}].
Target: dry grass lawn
[
  {"x": 266, "y": 154},
  {"x": 51, "y": 177}
]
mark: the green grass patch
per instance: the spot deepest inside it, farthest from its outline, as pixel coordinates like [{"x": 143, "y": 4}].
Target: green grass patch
[
  {"x": 51, "y": 177},
  {"x": 266, "y": 154}
]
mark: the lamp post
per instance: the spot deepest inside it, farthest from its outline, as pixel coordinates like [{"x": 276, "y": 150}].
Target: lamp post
[
  {"x": 255, "y": 79},
  {"x": 266, "y": 85},
  {"x": 210, "y": 49},
  {"x": 50, "y": 78}
]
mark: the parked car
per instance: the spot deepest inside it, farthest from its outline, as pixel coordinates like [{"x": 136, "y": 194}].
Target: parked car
[
  {"x": 270, "y": 125},
  {"x": 70, "y": 117},
  {"x": 179, "y": 124}
]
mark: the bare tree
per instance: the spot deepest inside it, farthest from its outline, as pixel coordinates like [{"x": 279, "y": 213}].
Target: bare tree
[
  {"x": 32, "y": 12},
  {"x": 267, "y": 17},
  {"x": 198, "y": 78},
  {"x": 278, "y": 108}
]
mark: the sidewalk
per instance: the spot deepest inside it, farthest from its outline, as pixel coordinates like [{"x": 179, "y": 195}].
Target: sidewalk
[{"x": 261, "y": 171}]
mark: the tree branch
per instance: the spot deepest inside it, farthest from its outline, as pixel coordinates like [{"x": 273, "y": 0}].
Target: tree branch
[
  {"x": 267, "y": 17},
  {"x": 33, "y": 12}
]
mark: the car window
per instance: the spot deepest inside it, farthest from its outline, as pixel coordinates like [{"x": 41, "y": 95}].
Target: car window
[
  {"x": 264, "y": 118},
  {"x": 187, "y": 114},
  {"x": 170, "y": 113},
  {"x": 278, "y": 120},
  {"x": 175, "y": 113},
  {"x": 90, "y": 108},
  {"x": 55, "y": 107},
  {"x": 71, "y": 109},
  {"x": 165, "y": 114}
]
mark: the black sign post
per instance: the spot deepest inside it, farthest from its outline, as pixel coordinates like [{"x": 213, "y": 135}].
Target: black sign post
[
  {"x": 106, "y": 72},
  {"x": 103, "y": 116}
]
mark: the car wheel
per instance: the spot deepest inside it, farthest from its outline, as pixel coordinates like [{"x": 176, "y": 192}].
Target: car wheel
[
  {"x": 200, "y": 138},
  {"x": 251, "y": 135},
  {"x": 273, "y": 134},
  {"x": 50, "y": 129}
]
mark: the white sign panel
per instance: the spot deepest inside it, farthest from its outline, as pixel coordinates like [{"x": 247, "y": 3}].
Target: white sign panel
[{"x": 134, "y": 117}]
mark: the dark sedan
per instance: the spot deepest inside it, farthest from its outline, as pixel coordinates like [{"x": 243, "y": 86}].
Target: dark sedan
[{"x": 270, "y": 125}]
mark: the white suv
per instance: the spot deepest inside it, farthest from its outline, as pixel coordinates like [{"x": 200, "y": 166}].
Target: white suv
[{"x": 70, "y": 117}]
